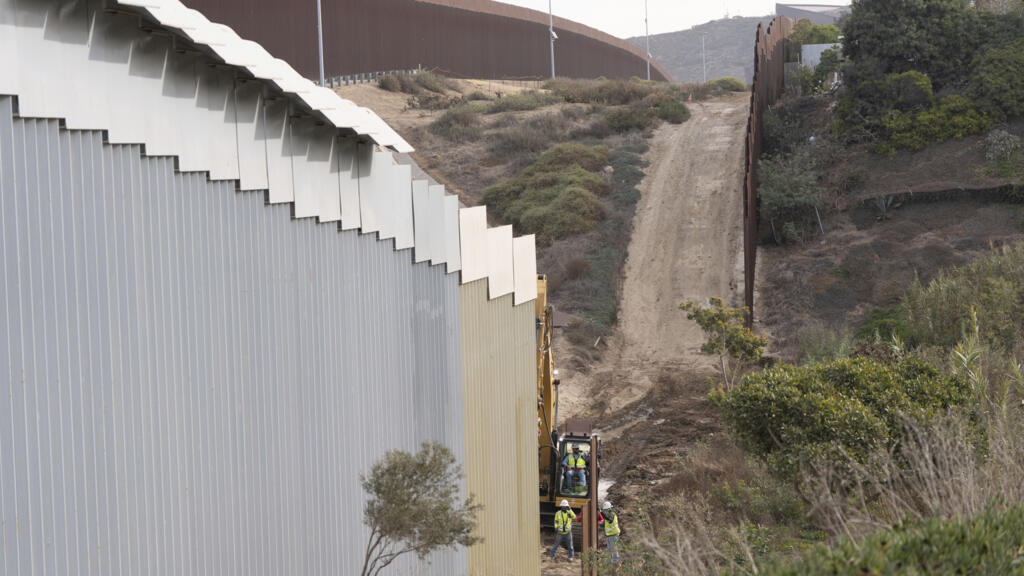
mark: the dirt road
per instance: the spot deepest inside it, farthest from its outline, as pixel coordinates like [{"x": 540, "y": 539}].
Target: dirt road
[
  {"x": 687, "y": 244},
  {"x": 648, "y": 394}
]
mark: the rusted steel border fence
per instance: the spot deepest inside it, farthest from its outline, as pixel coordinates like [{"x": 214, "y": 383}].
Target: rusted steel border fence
[{"x": 769, "y": 82}]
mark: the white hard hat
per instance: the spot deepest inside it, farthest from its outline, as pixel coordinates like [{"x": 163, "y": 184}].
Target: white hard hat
[
  {"x": 606, "y": 506},
  {"x": 564, "y": 503}
]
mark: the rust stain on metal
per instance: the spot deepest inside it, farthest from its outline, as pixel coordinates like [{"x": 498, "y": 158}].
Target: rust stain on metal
[
  {"x": 769, "y": 82},
  {"x": 462, "y": 38}
]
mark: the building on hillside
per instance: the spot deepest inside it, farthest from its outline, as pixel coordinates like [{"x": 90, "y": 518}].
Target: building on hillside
[
  {"x": 224, "y": 300},
  {"x": 810, "y": 54},
  {"x": 816, "y": 13},
  {"x": 460, "y": 38}
]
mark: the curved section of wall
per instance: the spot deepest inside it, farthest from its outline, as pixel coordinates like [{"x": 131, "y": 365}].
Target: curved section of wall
[
  {"x": 194, "y": 380},
  {"x": 463, "y": 38}
]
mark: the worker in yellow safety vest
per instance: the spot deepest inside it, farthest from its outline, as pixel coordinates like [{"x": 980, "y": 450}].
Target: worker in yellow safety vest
[
  {"x": 611, "y": 530},
  {"x": 563, "y": 529},
  {"x": 576, "y": 470}
]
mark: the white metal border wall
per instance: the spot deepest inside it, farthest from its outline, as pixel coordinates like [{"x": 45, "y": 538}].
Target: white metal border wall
[{"x": 192, "y": 379}]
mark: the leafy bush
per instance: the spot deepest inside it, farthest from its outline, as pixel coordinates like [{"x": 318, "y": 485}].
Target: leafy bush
[
  {"x": 1001, "y": 145},
  {"x": 997, "y": 83},
  {"x": 989, "y": 543},
  {"x": 522, "y": 101},
  {"x": 727, "y": 84},
  {"x": 936, "y": 37},
  {"x": 477, "y": 95},
  {"x": 625, "y": 119},
  {"x": 788, "y": 185},
  {"x": 790, "y": 416},
  {"x": 952, "y": 117},
  {"x": 727, "y": 335},
  {"x": 390, "y": 83},
  {"x": 459, "y": 124},
  {"x": 673, "y": 112},
  {"x": 787, "y": 127},
  {"x": 557, "y": 196}
]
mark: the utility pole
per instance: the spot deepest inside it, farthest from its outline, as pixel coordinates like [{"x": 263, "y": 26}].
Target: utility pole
[
  {"x": 703, "y": 58},
  {"x": 551, "y": 37},
  {"x": 320, "y": 38},
  {"x": 647, "y": 36}
]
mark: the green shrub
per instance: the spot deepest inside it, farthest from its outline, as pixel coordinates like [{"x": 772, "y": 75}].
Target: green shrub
[
  {"x": 1001, "y": 145},
  {"x": 673, "y": 112},
  {"x": 989, "y": 543},
  {"x": 788, "y": 187},
  {"x": 997, "y": 83},
  {"x": 952, "y": 117},
  {"x": 459, "y": 124},
  {"x": 522, "y": 101},
  {"x": 790, "y": 416},
  {"x": 432, "y": 82},
  {"x": 390, "y": 83},
  {"x": 477, "y": 95},
  {"x": 628, "y": 118},
  {"x": 557, "y": 196},
  {"x": 728, "y": 84}
]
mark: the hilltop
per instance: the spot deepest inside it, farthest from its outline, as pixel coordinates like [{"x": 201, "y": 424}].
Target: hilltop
[{"x": 729, "y": 46}]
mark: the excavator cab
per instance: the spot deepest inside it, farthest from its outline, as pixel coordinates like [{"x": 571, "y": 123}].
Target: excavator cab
[{"x": 575, "y": 477}]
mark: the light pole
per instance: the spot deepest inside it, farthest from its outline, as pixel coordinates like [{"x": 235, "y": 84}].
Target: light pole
[
  {"x": 703, "y": 58},
  {"x": 551, "y": 37},
  {"x": 320, "y": 39},
  {"x": 647, "y": 36}
]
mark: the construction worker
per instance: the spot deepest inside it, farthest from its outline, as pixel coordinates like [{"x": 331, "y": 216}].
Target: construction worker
[
  {"x": 563, "y": 529},
  {"x": 576, "y": 470},
  {"x": 610, "y": 520}
]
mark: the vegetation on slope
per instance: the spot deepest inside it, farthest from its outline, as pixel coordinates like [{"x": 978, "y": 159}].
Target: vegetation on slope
[{"x": 972, "y": 57}]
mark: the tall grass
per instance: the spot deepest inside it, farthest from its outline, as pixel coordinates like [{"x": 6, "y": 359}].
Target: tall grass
[{"x": 989, "y": 291}]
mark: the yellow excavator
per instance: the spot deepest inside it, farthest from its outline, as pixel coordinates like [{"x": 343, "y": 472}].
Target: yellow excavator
[{"x": 555, "y": 444}]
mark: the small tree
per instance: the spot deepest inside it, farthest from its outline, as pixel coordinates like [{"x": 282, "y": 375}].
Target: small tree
[
  {"x": 413, "y": 505},
  {"x": 728, "y": 336}
]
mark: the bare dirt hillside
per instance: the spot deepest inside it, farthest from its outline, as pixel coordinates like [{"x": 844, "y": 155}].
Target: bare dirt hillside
[{"x": 648, "y": 393}]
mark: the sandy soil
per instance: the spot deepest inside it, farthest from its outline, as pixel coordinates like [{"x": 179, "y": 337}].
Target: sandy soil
[
  {"x": 648, "y": 394},
  {"x": 687, "y": 244}
]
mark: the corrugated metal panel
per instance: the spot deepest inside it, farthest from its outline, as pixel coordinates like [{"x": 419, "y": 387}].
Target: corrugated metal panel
[
  {"x": 524, "y": 256},
  {"x": 194, "y": 380},
  {"x": 499, "y": 384}
]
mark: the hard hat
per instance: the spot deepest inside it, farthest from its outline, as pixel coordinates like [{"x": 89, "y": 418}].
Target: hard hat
[
  {"x": 575, "y": 447},
  {"x": 606, "y": 506},
  {"x": 564, "y": 504}
]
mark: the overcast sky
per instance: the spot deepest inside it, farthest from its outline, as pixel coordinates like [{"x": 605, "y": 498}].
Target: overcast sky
[{"x": 625, "y": 18}]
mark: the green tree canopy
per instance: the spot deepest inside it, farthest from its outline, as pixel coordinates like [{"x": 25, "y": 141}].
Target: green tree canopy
[{"x": 413, "y": 505}]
